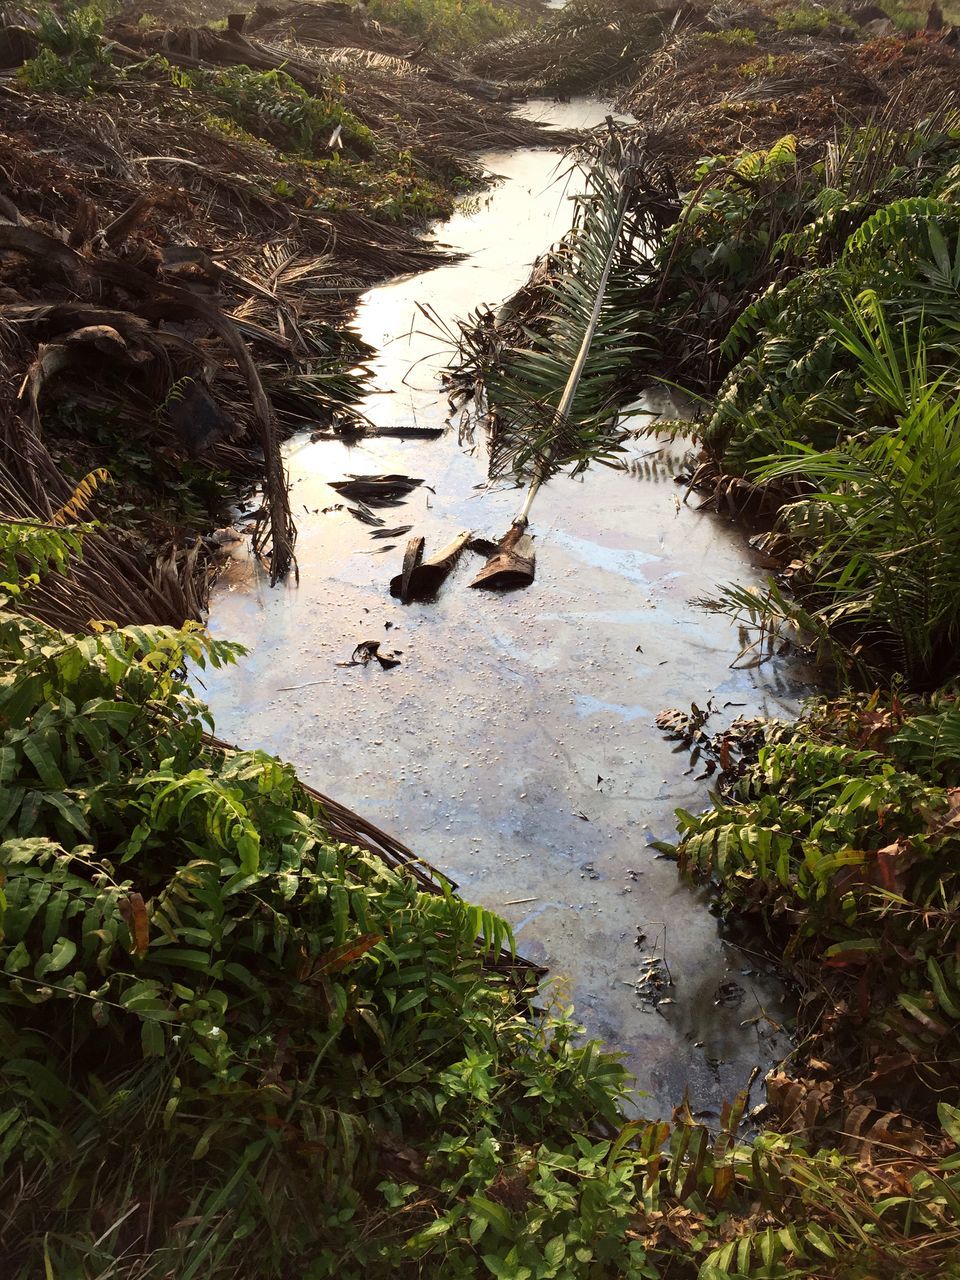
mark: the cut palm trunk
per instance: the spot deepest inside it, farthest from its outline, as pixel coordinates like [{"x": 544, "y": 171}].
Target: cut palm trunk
[
  {"x": 513, "y": 564},
  {"x": 420, "y": 579}
]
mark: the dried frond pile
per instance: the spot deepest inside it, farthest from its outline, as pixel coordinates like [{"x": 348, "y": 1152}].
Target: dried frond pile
[
  {"x": 183, "y": 235},
  {"x": 584, "y": 46},
  {"x": 700, "y": 95}
]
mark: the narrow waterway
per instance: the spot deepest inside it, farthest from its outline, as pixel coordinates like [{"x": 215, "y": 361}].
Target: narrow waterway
[{"x": 514, "y": 746}]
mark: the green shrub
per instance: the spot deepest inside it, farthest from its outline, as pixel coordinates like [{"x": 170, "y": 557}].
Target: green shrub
[
  {"x": 73, "y": 58},
  {"x": 452, "y": 26},
  {"x": 849, "y": 862},
  {"x": 733, "y": 35},
  {"x": 878, "y": 527},
  {"x": 272, "y": 105},
  {"x": 810, "y": 19}
]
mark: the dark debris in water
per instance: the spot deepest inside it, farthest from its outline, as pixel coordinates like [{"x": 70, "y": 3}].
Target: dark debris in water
[
  {"x": 377, "y": 491},
  {"x": 727, "y": 750},
  {"x": 368, "y": 650},
  {"x": 729, "y": 995}
]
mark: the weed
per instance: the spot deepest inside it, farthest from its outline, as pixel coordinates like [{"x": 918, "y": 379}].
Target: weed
[
  {"x": 272, "y": 105},
  {"x": 73, "y": 57},
  {"x": 810, "y": 20},
  {"x": 733, "y": 36}
]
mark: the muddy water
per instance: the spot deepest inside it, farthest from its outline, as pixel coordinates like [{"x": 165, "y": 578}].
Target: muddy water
[{"x": 515, "y": 746}]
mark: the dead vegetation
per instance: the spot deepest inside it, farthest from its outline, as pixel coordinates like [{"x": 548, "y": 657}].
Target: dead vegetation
[
  {"x": 700, "y": 95},
  {"x": 188, "y": 216}
]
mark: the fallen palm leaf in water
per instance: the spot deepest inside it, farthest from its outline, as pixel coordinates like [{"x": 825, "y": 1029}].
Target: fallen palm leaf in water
[
  {"x": 380, "y": 491},
  {"x": 401, "y": 432},
  {"x": 363, "y": 513},
  {"x": 392, "y": 533},
  {"x": 553, "y": 393}
]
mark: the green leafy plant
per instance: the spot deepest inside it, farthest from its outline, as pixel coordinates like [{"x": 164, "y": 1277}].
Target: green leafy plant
[
  {"x": 271, "y": 104},
  {"x": 74, "y": 58},
  {"x": 540, "y": 420},
  {"x": 810, "y": 19},
  {"x": 849, "y": 861},
  {"x": 879, "y": 524}
]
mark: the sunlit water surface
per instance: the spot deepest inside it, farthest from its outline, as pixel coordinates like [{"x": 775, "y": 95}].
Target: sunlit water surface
[{"x": 515, "y": 746}]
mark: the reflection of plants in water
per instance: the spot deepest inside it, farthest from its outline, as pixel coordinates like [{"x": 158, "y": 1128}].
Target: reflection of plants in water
[{"x": 469, "y": 206}]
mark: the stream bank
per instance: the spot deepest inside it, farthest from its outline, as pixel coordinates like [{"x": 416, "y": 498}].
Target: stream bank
[
  {"x": 515, "y": 745},
  {"x": 237, "y": 1044}
]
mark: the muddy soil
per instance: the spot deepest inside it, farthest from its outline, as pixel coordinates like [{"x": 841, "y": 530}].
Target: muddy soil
[{"x": 514, "y": 746}]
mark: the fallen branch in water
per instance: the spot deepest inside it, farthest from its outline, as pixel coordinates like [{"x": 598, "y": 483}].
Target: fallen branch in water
[{"x": 553, "y": 400}]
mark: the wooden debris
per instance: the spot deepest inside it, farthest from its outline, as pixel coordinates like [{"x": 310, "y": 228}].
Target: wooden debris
[
  {"x": 513, "y": 564},
  {"x": 421, "y": 579},
  {"x": 400, "y": 586}
]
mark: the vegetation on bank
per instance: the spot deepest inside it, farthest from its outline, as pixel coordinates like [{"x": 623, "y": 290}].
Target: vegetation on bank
[
  {"x": 839, "y": 408},
  {"x": 836, "y": 840},
  {"x": 264, "y": 182},
  {"x": 342, "y": 162},
  {"x": 232, "y": 1044}
]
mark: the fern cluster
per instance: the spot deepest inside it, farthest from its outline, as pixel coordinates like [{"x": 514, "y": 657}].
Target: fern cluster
[
  {"x": 837, "y": 840},
  {"x": 188, "y": 956},
  {"x": 788, "y": 376},
  {"x": 73, "y": 57}
]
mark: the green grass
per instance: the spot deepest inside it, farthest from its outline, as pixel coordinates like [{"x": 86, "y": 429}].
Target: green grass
[{"x": 810, "y": 20}]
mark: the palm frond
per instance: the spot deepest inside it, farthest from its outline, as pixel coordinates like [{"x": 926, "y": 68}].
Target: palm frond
[
  {"x": 554, "y": 391},
  {"x": 879, "y": 528}
]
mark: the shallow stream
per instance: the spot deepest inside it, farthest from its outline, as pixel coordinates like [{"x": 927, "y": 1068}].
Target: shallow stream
[{"x": 514, "y": 746}]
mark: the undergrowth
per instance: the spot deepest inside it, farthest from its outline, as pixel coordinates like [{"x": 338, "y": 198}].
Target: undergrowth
[
  {"x": 346, "y": 165},
  {"x": 811, "y": 301},
  {"x": 840, "y": 841},
  {"x": 272, "y": 105},
  {"x": 811, "y": 19},
  {"x": 449, "y": 26},
  {"x": 73, "y": 57},
  {"x": 230, "y": 1045}
]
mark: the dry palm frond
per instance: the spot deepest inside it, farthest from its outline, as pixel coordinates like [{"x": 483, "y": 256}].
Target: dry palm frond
[{"x": 369, "y": 60}]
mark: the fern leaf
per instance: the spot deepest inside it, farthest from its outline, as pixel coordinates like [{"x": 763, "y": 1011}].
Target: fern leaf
[{"x": 80, "y": 498}]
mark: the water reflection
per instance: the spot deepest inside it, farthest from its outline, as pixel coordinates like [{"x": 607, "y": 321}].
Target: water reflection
[{"x": 515, "y": 746}]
